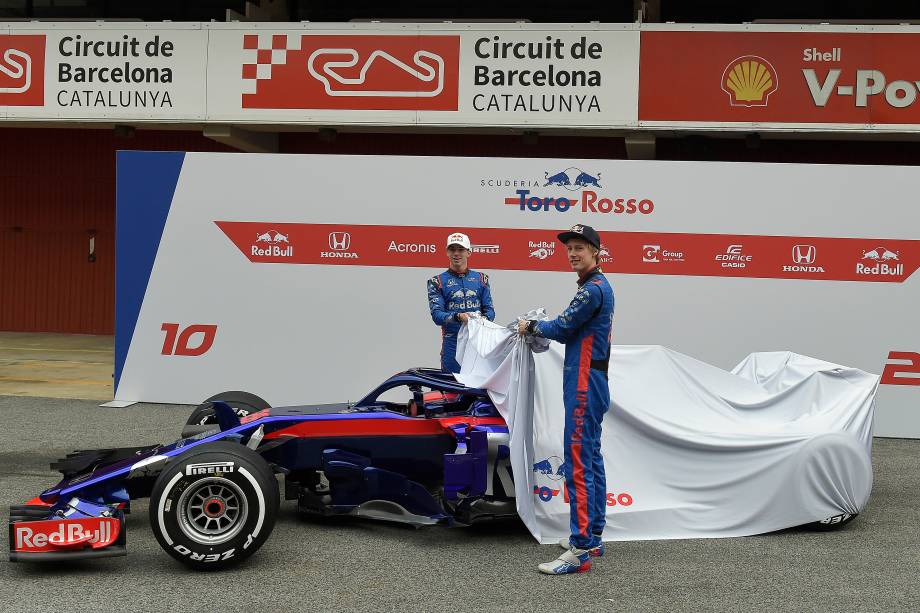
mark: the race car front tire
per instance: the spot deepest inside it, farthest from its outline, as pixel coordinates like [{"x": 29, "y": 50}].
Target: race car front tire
[
  {"x": 203, "y": 417},
  {"x": 215, "y": 506}
]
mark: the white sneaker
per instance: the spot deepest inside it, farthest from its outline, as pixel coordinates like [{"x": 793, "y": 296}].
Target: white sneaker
[
  {"x": 595, "y": 552},
  {"x": 572, "y": 561}
]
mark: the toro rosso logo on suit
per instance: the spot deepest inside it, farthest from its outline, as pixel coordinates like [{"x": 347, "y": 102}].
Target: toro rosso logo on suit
[{"x": 580, "y": 198}]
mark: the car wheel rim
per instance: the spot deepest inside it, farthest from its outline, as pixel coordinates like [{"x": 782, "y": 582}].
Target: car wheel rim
[{"x": 212, "y": 511}]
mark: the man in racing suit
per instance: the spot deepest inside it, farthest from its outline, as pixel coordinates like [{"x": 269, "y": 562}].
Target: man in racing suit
[
  {"x": 453, "y": 294},
  {"x": 585, "y": 328}
]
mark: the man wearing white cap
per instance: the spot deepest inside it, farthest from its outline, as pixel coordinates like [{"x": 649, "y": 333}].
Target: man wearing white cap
[{"x": 455, "y": 293}]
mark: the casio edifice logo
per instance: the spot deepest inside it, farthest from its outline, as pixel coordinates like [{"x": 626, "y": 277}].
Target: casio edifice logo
[{"x": 734, "y": 257}]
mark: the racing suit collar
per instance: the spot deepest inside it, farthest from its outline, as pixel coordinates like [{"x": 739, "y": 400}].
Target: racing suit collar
[
  {"x": 594, "y": 271},
  {"x": 459, "y": 274}
]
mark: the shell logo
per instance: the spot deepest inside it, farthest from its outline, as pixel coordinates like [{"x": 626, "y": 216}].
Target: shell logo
[{"x": 749, "y": 80}]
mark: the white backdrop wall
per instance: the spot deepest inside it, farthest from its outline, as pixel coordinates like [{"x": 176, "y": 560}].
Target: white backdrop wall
[{"x": 312, "y": 321}]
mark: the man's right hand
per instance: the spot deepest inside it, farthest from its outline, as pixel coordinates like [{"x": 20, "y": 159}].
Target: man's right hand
[{"x": 463, "y": 317}]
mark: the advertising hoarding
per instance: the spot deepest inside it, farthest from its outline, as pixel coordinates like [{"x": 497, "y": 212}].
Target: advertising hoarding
[{"x": 302, "y": 278}]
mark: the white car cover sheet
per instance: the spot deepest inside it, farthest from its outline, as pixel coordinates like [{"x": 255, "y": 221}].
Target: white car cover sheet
[{"x": 691, "y": 451}]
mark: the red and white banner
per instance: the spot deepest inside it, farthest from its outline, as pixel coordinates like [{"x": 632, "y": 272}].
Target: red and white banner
[
  {"x": 709, "y": 255},
  {"x": 303, "y": 278},
  {"x": 853, "y": 78}
]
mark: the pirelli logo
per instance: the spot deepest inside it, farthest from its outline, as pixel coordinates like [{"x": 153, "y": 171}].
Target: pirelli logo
[{"x": 209, "y": 468}]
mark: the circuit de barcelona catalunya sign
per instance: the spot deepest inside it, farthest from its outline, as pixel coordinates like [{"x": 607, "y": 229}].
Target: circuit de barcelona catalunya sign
[
  {"x": 652, "y": 76},
  {"x": 301, "y": 73},
  {"x": 302, "y": 278}
]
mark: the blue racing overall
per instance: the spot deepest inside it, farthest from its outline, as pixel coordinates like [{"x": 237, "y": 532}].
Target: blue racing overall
[
  {"x": 451, "y": 293},
  {"x": 585, "y": 328}
]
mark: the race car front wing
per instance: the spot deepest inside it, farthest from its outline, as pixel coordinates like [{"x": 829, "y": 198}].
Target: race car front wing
[{"x": 44, "y": 533}]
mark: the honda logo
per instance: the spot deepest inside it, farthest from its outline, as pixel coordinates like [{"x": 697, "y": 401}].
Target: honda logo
[
  {"x": 804, "y": 254},
  {"x": 339, "y": 241}
]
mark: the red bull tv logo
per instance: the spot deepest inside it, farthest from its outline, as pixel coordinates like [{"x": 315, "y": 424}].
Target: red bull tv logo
[
  {"x": 272, "y": 243},
  {"x": 880, "y": 261},
  {"x": 582, "y": 198},
  {"x": 749, "y": 80}
]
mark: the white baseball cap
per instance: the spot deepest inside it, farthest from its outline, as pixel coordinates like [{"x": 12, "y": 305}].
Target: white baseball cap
[{"x": 459, "y": 239}]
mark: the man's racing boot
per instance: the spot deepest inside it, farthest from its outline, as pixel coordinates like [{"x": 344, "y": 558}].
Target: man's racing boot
[
  {"x": 595, "y": 552},
  {"x": 572, "y": 561}
]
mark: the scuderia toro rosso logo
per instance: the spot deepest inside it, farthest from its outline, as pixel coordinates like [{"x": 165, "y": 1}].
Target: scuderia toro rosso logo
[
  {"x": 549, "y": 482},
  {"x": 571, "y": 189}
]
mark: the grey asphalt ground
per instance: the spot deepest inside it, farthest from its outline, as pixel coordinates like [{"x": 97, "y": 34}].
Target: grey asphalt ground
[{"x": 873, "y": 564}]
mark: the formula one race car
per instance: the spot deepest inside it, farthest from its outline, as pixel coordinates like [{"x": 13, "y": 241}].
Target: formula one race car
[{"x": 439, "y": 456}]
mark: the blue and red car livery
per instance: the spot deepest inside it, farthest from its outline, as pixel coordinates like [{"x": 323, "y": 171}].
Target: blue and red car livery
[{"x": 440, "y": 457}]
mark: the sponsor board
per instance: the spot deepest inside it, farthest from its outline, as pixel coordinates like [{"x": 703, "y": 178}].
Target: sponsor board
[
  {"x": 104, "y": 71},
  {"x": 282, "y": 318},
  {"x": 780, "y": 257},
  {"x": 779, "y": 77},
  {"x": 418, "y": 74}
]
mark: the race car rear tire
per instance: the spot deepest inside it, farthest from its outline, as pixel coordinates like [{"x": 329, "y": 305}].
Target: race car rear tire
[
  {"x": 242, "y": 403},
  {"x": 832, "y": 523},
  {"x": 214, "y": 506}
]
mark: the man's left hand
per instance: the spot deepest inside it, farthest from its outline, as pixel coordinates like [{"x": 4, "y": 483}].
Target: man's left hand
[{"x": 523, "y": 324}]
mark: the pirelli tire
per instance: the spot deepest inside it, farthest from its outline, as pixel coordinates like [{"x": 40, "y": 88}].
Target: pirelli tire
[
  {"x": 242, "y": 403},
  {"x": 215, "y": 506},
  {"x": 834, "y": 522}
]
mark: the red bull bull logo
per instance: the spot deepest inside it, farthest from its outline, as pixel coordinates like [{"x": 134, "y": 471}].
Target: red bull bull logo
[
  {"x": 272, "y": 244},
  {"x": 749, "y": 80},
  {"x": 880, "y": 261}
]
